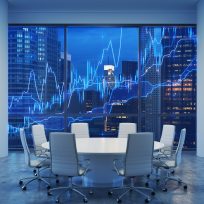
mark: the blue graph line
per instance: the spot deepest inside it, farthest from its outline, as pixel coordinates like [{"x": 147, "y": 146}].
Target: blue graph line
[{"x": 91, "y": 79}]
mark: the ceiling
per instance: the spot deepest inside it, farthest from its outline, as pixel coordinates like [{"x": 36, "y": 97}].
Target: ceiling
[{"x": 99, "y": 5}]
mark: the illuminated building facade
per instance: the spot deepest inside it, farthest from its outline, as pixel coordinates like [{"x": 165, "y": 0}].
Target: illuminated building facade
[{"x": 34, "y": 68}]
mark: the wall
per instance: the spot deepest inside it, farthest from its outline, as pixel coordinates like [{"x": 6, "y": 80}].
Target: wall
[
  {"x": 3, "y": 78},
  {"x": 115, "y": 17},
  {"x": 200, "y": 81}
]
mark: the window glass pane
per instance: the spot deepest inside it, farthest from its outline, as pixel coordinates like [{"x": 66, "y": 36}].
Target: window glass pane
[
  {"x": 36, "y": 83},
  {"x": 103, "y": 89},
  {"x": 168, "y": 79}
]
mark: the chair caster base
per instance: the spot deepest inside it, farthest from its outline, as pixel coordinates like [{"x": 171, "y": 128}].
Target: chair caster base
[
  {"x": 119, "y": 200},
  {"x": 20, "y": 183},
  {"x": 147, "y": 184},
  {"x": 110, "y": 193},
  {"x": 49, "y": 193},
  {"x": 147, "y": 200}
]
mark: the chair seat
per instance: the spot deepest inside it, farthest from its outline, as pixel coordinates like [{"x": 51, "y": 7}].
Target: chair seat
[
  {"x": 43, "y": 155},
  {"x": 39, "y": 163},
  {"x": 164, "y": 163}
]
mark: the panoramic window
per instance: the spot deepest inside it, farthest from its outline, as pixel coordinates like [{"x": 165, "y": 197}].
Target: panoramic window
[{"x": 103, "y": 76}]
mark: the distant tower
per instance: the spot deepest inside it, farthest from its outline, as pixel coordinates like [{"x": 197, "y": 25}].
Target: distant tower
[
  {"x": 109, "y": 76},
  {"x": 129, "y": 69}
]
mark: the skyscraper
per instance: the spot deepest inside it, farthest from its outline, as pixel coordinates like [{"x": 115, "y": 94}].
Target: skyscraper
[
  {"x": 129, "y": 70},
  {"x": 179, "y": 96},
  {"x": 168, "y": 80},
  {"x": 34, "y": 75}
]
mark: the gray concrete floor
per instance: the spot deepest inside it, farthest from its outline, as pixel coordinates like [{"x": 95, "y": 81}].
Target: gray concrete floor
[{"x": 13, "y": 168}]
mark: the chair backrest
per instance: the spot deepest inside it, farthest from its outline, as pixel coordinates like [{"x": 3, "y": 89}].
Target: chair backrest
[
  {"x": 39, "y": 137},
  {"x": 139, "y": 153},
  {"x": 127, "y": 128},
  {"x": 25, "y": 146},
  {"x": 180, "y": 146},
  {"x": 81, "y": 130},
  {"x": 168, "y": 134},
  {"x": 64, "y": 158}
]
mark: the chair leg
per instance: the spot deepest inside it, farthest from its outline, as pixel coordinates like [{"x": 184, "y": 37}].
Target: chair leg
[
  {"x": 79, "y": 192},
  {"x": 67, "y": 188},
  {"x": 37, "y": 177},
  {"x": 173, "y": 178},
  {"x": 131, "y": 187},
  {"x": 136, "y": 189},
  {"x": 59, "y": 195}
]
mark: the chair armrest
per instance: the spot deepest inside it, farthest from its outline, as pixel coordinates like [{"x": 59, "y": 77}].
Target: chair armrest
[
  {"x": 159, "y": 163},
  {"x": 86, "y": 166},
  {"x": 45, "y": 161},
  {"x": 164, "y": 153},
  {"x": 41, "y": 152},
  {"x": 166, "y": 150},
  {"x": 115, "y": 165}
]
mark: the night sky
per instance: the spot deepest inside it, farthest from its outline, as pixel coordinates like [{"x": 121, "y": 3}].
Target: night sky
[{"x": 87, "y": 43}]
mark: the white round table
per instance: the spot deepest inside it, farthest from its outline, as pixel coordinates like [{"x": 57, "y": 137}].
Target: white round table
[{"x": 101, "y": 152}]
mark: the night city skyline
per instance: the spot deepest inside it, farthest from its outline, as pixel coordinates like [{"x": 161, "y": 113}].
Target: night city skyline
[{"x": 99, "y": 94}]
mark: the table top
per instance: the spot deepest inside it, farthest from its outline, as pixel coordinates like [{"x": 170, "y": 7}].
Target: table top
[{"x": 103, "y": 145}]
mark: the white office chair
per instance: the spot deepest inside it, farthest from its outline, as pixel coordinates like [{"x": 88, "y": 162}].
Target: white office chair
[
  {"x": 126, "y": 128},
  {"x": 64, "y": 161},
  {"x": 33, "y": 163},
  {"x": 81, "y": 130},
  {"x": 167, "y": 138},
  {"x": 170, "y": 163},
  {"x": 138, "y": 162},
  {"x": 39, "y": 137}
]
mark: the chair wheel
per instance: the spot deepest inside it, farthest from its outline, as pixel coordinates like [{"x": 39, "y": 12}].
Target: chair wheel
[
  {"x": 57, "y": 181},
  {"x": 164, "y": 189},
  {"x": 153, "y": 193},
  {"x": 147, "y": 200},
  {"x": 23, "y": 188},
  {"x": 157, "y": 180},
  {"x": 172, "y": 172},
  {"x": 49, "y": 193},
  {"x": 185, "y": 187},
  {"x": 20, "y": 183},
  {"x": 148, "y": 175},
  {"x": 48, "y": 187},
  {"x": 110, "y": 193},
  {"x": 35, "y": 174},
  {"x": 85, "y": 200},
  {"x": 91, "y": 192},
  {"x": 57, "y": 201},
  {"x": 147, "y": 184},
  {"x": 119, "y": 200},
  {"x": 34, "y": 171}
]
